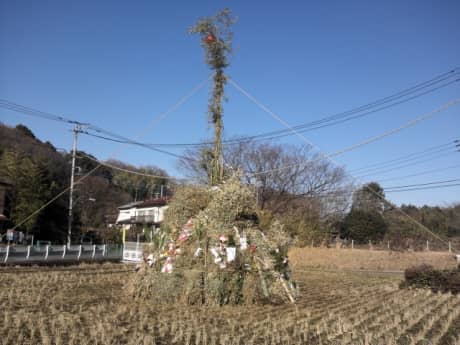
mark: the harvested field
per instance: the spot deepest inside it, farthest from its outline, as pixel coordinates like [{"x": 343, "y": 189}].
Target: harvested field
[
  {"x": 362, "y": 259},
  {"x": 87, "y": 305}
]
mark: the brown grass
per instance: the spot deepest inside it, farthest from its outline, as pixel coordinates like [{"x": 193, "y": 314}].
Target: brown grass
[
  {"x": 89, "y": 306},
  {"x": 360, "y": 259}
]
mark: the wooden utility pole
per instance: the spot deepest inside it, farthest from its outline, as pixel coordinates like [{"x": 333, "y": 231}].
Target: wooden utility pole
[{"x": 77, "y": 129}]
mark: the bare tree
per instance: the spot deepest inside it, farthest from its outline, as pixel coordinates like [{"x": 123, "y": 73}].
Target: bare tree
[{"x": 282, "y": 175}]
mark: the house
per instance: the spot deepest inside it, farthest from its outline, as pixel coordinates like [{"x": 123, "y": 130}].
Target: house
[{"x": 142, "y": 217}]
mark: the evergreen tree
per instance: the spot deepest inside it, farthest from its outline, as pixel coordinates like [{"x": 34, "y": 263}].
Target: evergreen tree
[
  {"x": 370, "y": 197},
  {"x": 29, "y": 190},
  {"x": 362, "y": 226}
]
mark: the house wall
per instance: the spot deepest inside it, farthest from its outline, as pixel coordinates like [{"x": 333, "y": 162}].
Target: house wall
[
  {"x": 124, "y": 215},
  {"x": 154, "y": 214}
]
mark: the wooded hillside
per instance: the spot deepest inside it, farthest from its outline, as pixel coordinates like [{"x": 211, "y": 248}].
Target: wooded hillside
[{"x": 37, "y": 172}]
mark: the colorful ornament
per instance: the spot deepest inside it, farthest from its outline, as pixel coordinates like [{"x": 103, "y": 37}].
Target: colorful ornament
[
  {"x": 210, "y": 38},
  {"x": 184, "y": 236},
  {"x": 168, "y": 266}
]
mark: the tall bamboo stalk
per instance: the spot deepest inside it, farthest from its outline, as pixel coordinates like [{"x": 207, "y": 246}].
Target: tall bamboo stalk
[{"x": 216, "y": 40}]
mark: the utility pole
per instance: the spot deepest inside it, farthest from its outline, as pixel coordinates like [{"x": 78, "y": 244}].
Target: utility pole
[{"x": 76, "y": 129}]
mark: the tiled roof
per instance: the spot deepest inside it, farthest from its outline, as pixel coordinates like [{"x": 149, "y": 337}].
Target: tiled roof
[
  {"x": 153, "y": 202},
  {"x": 145, "y": 203}
]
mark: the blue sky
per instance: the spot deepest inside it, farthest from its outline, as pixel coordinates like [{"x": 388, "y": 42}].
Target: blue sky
[{"x": 118, "y": 64}]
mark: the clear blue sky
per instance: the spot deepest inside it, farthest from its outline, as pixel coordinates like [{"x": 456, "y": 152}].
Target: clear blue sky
[{"x": 118, "y": 64}]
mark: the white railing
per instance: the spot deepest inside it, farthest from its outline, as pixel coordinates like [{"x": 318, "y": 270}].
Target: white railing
[
  {"x": 59, "y": 253},
  {"x": 133, "y": 252}
]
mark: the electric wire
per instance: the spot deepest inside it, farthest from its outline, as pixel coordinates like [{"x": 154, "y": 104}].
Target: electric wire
[
  {"x": 422, "y": 188},
  {"x": 157, "y": 118},
  {"x": 406, "y": 125},
  {"x": 437, "y": 148},
  {"x": 291, "y": 129},
  {"x": 421, "y": 184},
  {"x": 303, "y": 138},
  {"x": 342, "y": 116},
  {"x": 37, "y": 113},
  {"x": 132, "y": 142},
  {"x": 420, "y": 173},
  {"x": 410, "y": 164},
  {"x": 265, "y": 136},
  {"x": 108, "y": 165}
]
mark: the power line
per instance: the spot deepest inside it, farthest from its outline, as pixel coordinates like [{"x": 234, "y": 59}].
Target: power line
[
  {"x": 422, "y": 188},
  {"x": 342, "y": 116},
  {"x": 111, "y": 166},
  {"x": 338, "y": 118},
  {"x": 37, "y": 113},
  {"x": 398, "y": 167},
  {"x": 437, "y": 148},
  {"x": 49, "y": 116},
  {"x": 421, "y": 184},
  {"x": 136, "y": 143},
  {"x": 120, "y": 139},
  {"x": 409, "y": 124},
  {"x": 419, "y": 174},
  {"x": 328, "y": 123},
  {"x": 157, "y": 118}
]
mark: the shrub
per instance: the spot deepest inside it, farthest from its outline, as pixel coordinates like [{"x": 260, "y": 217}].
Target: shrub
[{"x": 425, "y": 276}]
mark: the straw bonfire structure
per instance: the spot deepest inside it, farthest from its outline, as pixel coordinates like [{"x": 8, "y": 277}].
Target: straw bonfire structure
[
  {"x": 219, "y": 255},
  {"x": 211, "y": 249}
]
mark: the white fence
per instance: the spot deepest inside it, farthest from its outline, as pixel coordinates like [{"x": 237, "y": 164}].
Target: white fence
[
  {"x": 59, "y": 253},
  {"x": 133, "y": 252}
]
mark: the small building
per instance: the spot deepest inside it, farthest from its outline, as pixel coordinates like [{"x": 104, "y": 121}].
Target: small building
[{"x": 141, "y": 217}]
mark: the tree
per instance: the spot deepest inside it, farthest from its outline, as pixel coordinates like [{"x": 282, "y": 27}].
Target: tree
[
  {"x": 140, "y": 186},
  {"x": 29, "y": 190},
  {"x": 281, "y": 174},
  {"x": 216, "y": 40},
  {"x": 362, "y": 226},
  {"x": 25, "y": 131},
  {"x": 370, "y": 197},
  {"x": 86, "y": 163},
  {"x": 303, "y": 190}
]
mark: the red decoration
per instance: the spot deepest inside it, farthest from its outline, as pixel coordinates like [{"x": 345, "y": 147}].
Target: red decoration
[{"x": 210, "y": 38}]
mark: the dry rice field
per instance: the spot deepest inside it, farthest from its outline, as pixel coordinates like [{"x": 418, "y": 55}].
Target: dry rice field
[
  {"x": 87, "y": 305},
  {"x": 362, "y": 259}
]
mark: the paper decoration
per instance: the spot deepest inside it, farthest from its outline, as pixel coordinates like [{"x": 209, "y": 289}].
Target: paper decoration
[
  {"x": 231, "y": 254},
  {"x": 189, "y": 225},
  {"x": 184, "y": 236},
  {"x": 197, "y": 252},
  {"x": 243, "y": 243},
  {"x": 150, "y": 260},
  {"x": 215, "y": 253}
]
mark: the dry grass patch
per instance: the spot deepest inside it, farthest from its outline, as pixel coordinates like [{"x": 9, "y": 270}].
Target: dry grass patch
[{"x": 360, "y": 259}]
